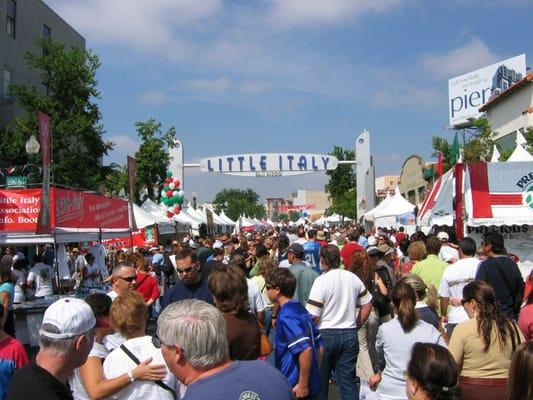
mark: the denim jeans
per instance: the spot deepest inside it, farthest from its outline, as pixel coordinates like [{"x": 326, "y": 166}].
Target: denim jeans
[{"x": 340, "y": 354}]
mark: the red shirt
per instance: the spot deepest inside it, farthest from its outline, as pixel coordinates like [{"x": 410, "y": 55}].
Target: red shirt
[
  {"x": 147, "y": 286},
  {"x": 347, "y": 252}
]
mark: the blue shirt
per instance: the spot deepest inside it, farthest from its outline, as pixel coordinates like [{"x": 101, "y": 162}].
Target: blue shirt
[
  {"x": 312, "y": 254},
  {"x": 296, "y": 332},
  {"x": 181, "y": 291},
  {"x": 242, "y": 380}
]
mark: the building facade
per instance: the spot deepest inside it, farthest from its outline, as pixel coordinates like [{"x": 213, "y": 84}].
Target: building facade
[
  {"x": 412, "y": 184},
  {"x": 273, "y": 206},
  {"x": 511, "y": 111},
  {"x": 315, "y": 201},
  {"x": 386, "y": 184},
  {"x": 22, "y": 22}
]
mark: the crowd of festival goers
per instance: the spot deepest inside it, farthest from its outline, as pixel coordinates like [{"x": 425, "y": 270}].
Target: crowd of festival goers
[{"x": 300, "y": 312}]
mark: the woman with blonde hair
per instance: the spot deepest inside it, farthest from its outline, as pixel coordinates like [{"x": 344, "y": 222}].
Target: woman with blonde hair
[
  {"x": 417, "y": 252},
  {"x": 484, "y": 345},
  {"x": 128, "y": 316}
]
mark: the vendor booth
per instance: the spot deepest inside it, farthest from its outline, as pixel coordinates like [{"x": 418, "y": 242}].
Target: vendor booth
[
  {"x": 62, "y": 216},
  {"x": 495, "y": 196}
]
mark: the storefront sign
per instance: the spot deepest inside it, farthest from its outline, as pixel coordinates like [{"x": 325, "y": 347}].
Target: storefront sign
[{"x": 269, "y": 165}]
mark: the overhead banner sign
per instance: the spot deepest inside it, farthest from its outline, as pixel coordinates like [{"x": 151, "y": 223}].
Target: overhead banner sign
[
  {"x": 269, "y": 165},
  {"x": 468, "y": 92}
]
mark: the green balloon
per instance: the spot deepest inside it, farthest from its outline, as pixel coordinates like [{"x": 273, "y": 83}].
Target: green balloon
[
  {"x": 169, "y": 174},
  {"x": 179, "y": 200}
]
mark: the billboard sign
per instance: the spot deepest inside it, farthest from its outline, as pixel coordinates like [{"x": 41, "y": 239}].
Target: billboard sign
[
  {"x": 468, "y": 92},
  {"x": 269, "y": 165}
]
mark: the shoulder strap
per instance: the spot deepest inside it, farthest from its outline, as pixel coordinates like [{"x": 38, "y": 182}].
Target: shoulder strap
[
  {"x": 161, "y": 384},
  {"x": 504, "y": 277}
]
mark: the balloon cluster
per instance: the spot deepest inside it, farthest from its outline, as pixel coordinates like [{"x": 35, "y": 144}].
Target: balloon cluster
[{"x": 172, "y": 195}]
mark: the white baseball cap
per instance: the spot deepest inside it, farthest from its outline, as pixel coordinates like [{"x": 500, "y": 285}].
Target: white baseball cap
[
  {"x": 372, "y": 241},
  {"x": 218, "y": 244},
  {"x": 71, "y": 316},
  {"x": 443, "y": 236}
]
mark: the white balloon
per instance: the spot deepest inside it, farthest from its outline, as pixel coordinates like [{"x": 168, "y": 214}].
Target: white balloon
[
  {"x": 163, "y": 194},
  {"x": 181, "y": 193},
  {"x": 171, "y": 186}
]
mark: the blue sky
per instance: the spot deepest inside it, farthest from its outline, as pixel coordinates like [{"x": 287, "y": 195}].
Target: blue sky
[{"x": 290, "y": 75}]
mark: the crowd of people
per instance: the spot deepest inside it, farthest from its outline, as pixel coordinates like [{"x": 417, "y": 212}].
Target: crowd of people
[{"x": 279, "y": 314}]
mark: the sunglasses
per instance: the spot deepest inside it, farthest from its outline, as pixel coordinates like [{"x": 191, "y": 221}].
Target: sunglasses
[
  {"x": 184, "y": 270},
  {"x": 128, "y": 279}
]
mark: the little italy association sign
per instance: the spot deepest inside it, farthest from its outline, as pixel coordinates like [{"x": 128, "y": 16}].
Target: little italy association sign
[{"x": 270, "y": 164}]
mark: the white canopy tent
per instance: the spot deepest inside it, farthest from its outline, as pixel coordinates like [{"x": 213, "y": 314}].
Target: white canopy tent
[
  {"x": 226, "y": 218},
  {"x": 397, "y": 207},
  {"x": 369, "y": 215},
  {"x": 520, "y": 154}
]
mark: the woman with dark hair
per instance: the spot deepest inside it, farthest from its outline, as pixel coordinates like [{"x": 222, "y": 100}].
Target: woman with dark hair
[
  {"x": 361, "y": 266},
  {"x": 520, "y": 382},
  {"x": 483, "y": 345},
  {"x": 227, "y": 284},
  {"x": 431, "y": 374},
  {"x": 426, "y": 301},
  {"x": 395, "y": 340}
]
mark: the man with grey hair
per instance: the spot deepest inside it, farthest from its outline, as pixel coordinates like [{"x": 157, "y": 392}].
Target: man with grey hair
[
  {"x": 193, "y": 340},
  {"x": 122, "y": 279},
  {"x": 65, "y": 338}
]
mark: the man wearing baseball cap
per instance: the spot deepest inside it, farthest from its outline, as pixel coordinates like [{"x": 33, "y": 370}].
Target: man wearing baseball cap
[
  {"x": 304, "y": 274},
  {"x": 65, "y": 339}
]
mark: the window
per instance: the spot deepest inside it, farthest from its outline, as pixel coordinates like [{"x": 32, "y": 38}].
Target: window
[
  {"x": 11, "y": 17},
  {"x": 6, "y": 82},
  {"x": 47, "y": 32}
]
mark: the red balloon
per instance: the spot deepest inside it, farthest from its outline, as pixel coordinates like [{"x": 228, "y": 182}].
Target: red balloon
[
  {"x": 168, "y": 180},
  {"x": 177, "y": 183},
  {"x": 169, "y": 193},
  {"x": 169, "y": 214},
  {"x": 177, "y": 211}
]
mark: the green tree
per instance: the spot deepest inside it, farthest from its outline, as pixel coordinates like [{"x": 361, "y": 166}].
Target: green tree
[
  {"x": 152, "y": 158},
  {"x": 282, "y": 217},
  {"x": 69, "y": 98},
  {"x": 341, "y": 185},
  {"x": 116, "y": 179},
  {"x": 239, "y": 201},
  {"x": 479, "y": 144}
]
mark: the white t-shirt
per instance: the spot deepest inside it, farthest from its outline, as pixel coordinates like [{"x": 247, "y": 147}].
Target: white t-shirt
[
  {"x": 76, "y": 385},
  {"x": 448, "y": 254},
  {"x": 284, "y": 264},
  {"x": 118, "y": 363},
  {"x": 257, "y": 303},
  {"x": 41, "y": 275},
  {"x": 454, "y": 279},
  {"x": 334, "y": 298}
]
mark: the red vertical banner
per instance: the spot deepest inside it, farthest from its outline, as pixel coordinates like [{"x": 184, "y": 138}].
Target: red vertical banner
[
  {"x": 440, "y": 167},
  {"x": 131, "y": 187},
  {"x": 459, "y": 223},
  {"x": 45, "y": 137}
]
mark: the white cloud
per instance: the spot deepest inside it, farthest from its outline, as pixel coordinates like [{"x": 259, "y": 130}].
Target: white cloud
[
  {"x": 471, "y": 56},
  {"x": 406, "y": 96},
  {"x": 140, "y": 24},
  {"x": 124, "y": 146},
  {"x": 290, "y": 13},
  {"x": 217, "y": 85},
  {"x": 154, "y": 97}
]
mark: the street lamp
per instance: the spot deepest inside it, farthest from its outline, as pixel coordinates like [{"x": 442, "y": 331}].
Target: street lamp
[{"x": 32, "y": 148}]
